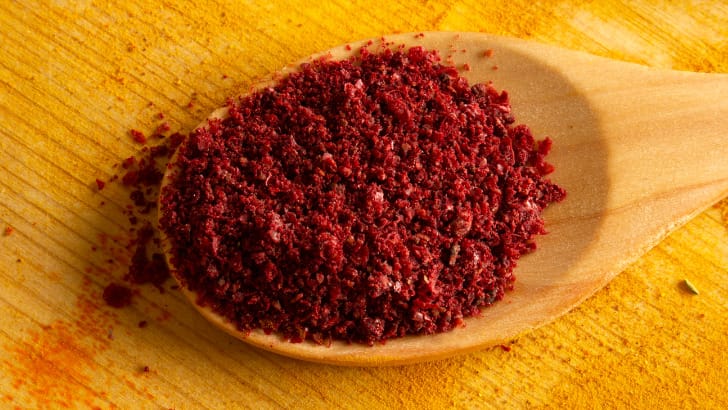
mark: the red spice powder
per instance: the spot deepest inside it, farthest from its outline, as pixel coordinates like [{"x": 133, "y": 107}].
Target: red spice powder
[
  {"x": 143, "y": 269},
  {"x": 162, "y": 128},
  {"x": 8, "y": 230},
  {"x": 358, "y": 200},
  {"x": 117, "y": 296},
  {"x": 142, "y": 176},
  {"x": 138, "y": 136}
]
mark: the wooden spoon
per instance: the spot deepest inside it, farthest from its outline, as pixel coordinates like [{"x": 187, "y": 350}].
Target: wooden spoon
[{"x": 639, "y": 150}]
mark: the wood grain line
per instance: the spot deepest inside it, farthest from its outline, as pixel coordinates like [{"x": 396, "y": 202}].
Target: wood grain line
[
  {"x": 19, "y": 118},
  {"x": 58, "y": 143},
  {"x": 97, "y": 211},
  {"x": 141, "y": 60},
  {"x": 90, "y": 61},
  {"x": 61, "y": 100}
]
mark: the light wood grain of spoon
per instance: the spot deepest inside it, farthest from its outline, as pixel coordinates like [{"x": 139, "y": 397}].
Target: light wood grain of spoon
[{"x": 639, "y": 150}]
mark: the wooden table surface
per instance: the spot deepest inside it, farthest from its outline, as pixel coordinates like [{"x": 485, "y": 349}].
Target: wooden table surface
[{"x": 76, "y": 76}]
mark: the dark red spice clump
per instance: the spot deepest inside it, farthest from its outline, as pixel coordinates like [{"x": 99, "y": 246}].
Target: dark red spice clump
[
  {"x": 162, "y": 128},
  {"x": 358, "y": 200},
  {"x": 138, "y": 136},
  {"x": 144, "y": 269},
  {"x": 117, "y": 296}
]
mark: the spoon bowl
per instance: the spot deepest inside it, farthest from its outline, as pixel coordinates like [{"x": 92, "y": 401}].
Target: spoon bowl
[{"x": 639, "y": 150}]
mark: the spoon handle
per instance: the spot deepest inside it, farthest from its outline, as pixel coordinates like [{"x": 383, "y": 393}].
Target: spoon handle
[{"x": 665, "y": 137}]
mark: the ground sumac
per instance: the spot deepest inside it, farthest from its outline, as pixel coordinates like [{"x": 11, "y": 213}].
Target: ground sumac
[{"x": 358, "y": 200}]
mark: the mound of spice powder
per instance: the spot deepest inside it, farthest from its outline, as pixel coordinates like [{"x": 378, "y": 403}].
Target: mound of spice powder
[{"x": 357, "y": 200}]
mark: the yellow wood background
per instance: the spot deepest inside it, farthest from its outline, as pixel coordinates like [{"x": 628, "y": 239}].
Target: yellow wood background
[{"x": 75, "y": 76}]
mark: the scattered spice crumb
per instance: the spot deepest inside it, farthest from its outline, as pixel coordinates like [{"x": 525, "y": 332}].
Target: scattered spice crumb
[
  {"x": 466, "y": 67},
  {"x": 142, "y": 176},
  {"x": 138, "y": 136},
  {"x": 18, "y": 260},
  {"x": 142, "y": 324},
  {"x": 162, "y": 128},
  {"x": 495, "y": 67},
  {"x": 488, "y": 53},
  {"x": 144, "y": 269},
  {"x": 100, "y": 184},
  {"x": 128, "y": 162},
  {"x": 689, "y": 285},
  {"x": 145, "y": 369},
  {"x": 8, "y": 230},
  {"x": 117, "y": 296},
  {"x": 505, "y": 348}
]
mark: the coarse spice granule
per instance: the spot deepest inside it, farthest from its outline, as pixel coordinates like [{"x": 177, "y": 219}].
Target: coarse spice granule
[
  {"x": 358, "y": 200},
  {"x": 141, "y": 175}
]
